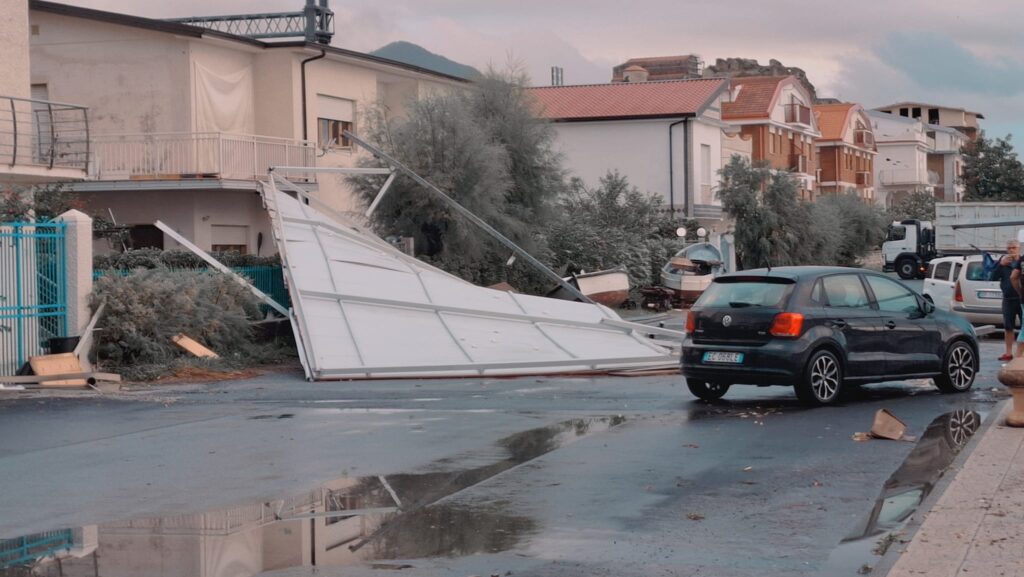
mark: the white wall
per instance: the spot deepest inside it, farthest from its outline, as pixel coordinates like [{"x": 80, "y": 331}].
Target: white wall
[
  {"x": 710, "y": 135},
  {"x": 132, "y": 80},
  {"x": 14, "y": 38}
]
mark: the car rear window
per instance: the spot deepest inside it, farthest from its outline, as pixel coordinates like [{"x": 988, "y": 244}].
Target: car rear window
[
  {"x": 747, "y": 293},
  {"x": 976, "y": 271}
]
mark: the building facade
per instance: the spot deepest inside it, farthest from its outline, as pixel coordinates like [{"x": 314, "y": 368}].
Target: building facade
[
  {"x": 901, "y": 166},
  {"x": 845, "y": 151},
  {"x": 951, "y": 117},
  {"x": 775, "y": 113}
]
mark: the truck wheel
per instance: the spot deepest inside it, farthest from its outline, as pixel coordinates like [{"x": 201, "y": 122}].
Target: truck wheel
[{"x": 906, "y": 268}]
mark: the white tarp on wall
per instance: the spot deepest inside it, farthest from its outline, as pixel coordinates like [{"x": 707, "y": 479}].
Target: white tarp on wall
[
  {"x": 363, "y": 309},
  {"x": 224, "y": 102}
]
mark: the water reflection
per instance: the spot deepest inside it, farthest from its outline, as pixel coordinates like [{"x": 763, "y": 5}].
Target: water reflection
[
  {"x": 347, "y": 521},
  {"x": 904, "y": 491}
]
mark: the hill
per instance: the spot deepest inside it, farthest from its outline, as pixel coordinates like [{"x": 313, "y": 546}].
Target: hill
[{"x": 410, "y": 53}]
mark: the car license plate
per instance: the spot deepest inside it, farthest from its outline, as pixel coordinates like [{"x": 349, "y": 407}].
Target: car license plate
[
  {"x": 990, "y": 295},
  {"x": 720, "y": 357}
]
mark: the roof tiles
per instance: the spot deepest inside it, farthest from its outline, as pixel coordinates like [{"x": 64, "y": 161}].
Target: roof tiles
[{"x": 627, "y": 99}]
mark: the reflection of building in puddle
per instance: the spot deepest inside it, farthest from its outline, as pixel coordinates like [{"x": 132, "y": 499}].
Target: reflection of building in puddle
[
  {"x": 905, "y": 490},
  {"x": 344, "y": 522}
]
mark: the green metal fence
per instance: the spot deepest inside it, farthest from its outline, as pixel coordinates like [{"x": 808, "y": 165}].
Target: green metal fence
[
  {"x": 269, "y": 279},
  {"x": 33, "y": 290},
  {"x": 25, "y": 550}
]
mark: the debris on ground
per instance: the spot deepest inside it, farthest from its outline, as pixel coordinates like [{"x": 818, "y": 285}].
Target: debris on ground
[
  {"x": 747, "y": 469},
  {"x": 194, "y": 347},
  {"x": 695, "y": 516},
  {"x": 885, "y": 426}
]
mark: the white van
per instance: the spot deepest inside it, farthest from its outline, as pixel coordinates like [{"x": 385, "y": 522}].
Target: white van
[{"x": 959, "y": 284}]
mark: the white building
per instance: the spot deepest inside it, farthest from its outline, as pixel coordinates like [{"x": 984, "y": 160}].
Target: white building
[
  {"x": 665, "y": 137},
  {"x": 946, "y": 160},
  {"x": 901, "y": 165},
  {"x": 185, "y": 119}
]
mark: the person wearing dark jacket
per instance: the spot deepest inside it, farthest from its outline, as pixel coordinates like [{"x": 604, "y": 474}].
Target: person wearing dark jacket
[{"x": 1003, "y": 273}]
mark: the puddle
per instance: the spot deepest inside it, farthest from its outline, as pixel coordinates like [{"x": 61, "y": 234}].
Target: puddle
[
  {"x": 348, "y": 521},
  {"x": 902, "y": 493}
]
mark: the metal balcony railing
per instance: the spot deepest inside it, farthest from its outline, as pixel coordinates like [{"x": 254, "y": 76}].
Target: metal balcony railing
[
  {"x": 864, "y": 138},
  {"x": 798, "y": 114},
  {"x": 899, "y": 176},
  {"x": 191, "y": 155},
  {"x": 43, "y": 133},
  {"x": 863, "y": 179},
  {"x": 798, "y": 163}
]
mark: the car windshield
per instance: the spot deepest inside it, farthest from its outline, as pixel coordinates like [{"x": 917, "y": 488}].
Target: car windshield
[
  {"x": 753, "y": 293},
  {"x": 976, "y": 271}
]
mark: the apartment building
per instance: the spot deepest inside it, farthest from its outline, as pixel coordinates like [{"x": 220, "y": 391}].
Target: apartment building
[
  {"x": 949, "y": 116},
  {"x": 901, "y": 165},
  {"x": 846, "y": 150}
]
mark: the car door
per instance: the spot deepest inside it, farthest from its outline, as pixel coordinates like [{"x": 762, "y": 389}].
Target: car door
[
  {"x": 848, "y": 311},
  {"x": 913, "y": 338},
  {"x": 939, "y": 284}
]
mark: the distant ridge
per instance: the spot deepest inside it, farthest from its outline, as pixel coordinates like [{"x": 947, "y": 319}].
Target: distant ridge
[{"x": 416, "y": 55}]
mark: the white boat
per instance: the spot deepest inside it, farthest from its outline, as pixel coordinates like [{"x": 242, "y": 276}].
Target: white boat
[
  {"x": 691, "y": 270},
  {"x": 608, "y": 287}
]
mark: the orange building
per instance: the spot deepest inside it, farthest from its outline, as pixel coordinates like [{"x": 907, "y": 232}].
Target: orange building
[
  {"x": 846, "y": 150},
  {"x": 775, "y": 113}
]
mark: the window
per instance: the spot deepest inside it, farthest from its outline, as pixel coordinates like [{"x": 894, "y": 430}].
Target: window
[
  {"x": 904, "y": 112},
  {"x": 334, "y": 116},
  {"x": 818, "y": 294},
  {"x": 976, "y": 271},
  {"x": 956, "y": 271},
  {"x": 845, "y": 291},
  {"x": 916, "y": 112},
  {"x": 941, "y": 271},
  {"x": 933, "y": 116},
  {"x": 897, "y": 233},
  {"x": 145, "y": 236},
  {"x": 892, "y": 297},
  {"x": 229, "y": 238},
  {"x": 746, "y": 293},
  {"x": 239, "y": 248},
  {"x": 705, "y": 164}
]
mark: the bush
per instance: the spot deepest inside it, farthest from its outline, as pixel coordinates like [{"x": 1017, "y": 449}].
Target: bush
[
  {"x": 148, "y": 307},
  {"x": 150, "y": 258}
]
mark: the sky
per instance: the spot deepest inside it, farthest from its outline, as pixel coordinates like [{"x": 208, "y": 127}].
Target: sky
[{"x": 967, "y": 54}]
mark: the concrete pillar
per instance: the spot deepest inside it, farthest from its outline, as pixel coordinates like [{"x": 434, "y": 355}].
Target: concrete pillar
[
  {"x": 78, "y": 254},
  {"x": 1012, "y": 377}
]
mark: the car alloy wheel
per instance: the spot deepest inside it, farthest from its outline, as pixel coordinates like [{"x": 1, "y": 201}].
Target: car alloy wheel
[
  {"x": 706, "y": 391},
  {"x": 822, "y": 379},
  {"x": 959, "y": 370}
]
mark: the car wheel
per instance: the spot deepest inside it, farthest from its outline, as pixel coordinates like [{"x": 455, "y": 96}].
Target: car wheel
[
  {"x": 822, "y": 380},
  {"x": 958, "y": 369},
  {"x": 706, "y": 391},
  {"x": 906, "y": 268}
]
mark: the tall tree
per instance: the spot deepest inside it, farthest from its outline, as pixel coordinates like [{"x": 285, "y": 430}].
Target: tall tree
[{"x": 992, "y": 171}]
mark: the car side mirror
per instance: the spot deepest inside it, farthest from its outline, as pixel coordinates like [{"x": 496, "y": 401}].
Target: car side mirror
[{"x": 927, "y": 307}]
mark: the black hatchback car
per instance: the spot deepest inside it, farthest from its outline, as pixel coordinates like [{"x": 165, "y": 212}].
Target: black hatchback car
[{"x": 819, "y": 329}]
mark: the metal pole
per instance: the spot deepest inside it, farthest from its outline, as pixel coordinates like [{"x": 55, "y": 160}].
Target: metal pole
[
  {"x": 53, "y": 134},
  {"x": 380, "y": 194},
  {"x": 14, "y": 126},
  {"x": 469, "y": 215}
]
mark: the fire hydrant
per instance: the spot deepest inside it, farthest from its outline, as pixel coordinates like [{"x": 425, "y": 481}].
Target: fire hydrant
[{"x": 1012, "y": 377}]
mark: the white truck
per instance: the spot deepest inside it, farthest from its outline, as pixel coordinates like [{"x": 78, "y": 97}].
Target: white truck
[{"x": 959, "y": 228}]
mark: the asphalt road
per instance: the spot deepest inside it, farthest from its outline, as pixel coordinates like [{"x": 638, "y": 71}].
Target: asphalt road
[{"x": 587, "y": 476}]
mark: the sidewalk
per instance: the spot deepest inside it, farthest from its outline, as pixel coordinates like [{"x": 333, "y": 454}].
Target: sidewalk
[{"x": 976, "y": 528}]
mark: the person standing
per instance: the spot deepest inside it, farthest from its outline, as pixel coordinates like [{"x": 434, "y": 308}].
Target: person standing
[{"x": 1008, "y": 282}]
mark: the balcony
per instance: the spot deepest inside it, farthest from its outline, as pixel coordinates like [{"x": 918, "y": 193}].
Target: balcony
[
  {"x": 864, "y": 179},
  {"x": 907, "y": 176},
  {"x": 864, "y": 138},
  {"x": 42, "y": 140},
  {"x": 798, "y": 114},
  {"x": 196, "y": 155},
  {"x": 798, "y": 163}
]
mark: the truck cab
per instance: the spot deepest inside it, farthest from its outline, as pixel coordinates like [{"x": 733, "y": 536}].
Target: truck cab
[{"x": 908, "y": 247}]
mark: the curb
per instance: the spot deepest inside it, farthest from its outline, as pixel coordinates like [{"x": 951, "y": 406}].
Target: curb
[{"x": 909, "y": 531}]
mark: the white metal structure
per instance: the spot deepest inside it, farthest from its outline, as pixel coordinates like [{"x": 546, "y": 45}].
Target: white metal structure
[{"x": 363, "y": 309}]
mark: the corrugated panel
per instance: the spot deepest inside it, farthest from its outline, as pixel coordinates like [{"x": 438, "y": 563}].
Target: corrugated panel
[{"x": 363, "y": 309}]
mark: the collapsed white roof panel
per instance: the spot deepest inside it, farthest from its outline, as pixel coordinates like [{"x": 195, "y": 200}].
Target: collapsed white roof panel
[{"x": 363, "y": 309}]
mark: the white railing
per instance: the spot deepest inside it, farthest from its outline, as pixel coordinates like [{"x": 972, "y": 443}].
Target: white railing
[
  {"x": 215, "y": 155},
  {"x": 893, "y": 176}
]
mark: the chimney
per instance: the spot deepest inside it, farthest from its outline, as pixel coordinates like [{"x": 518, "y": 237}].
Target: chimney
[{"x": 635, "y": 73}]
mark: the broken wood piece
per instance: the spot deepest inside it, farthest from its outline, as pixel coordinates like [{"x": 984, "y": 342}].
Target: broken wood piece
[
  {"x": 887, "y": 426},
  {"x": 58, "y": 364},
  {"x": 194, "y": 347}
]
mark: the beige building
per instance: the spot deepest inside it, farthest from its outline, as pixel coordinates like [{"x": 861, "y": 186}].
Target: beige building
[
  {"x": 185, "y": 119},
  {"x": 40, "y": 141},
  {"x": 949, "y": 116}
]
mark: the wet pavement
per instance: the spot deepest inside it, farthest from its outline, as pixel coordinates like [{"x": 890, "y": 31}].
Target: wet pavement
[{"x": 569, "y": 476}]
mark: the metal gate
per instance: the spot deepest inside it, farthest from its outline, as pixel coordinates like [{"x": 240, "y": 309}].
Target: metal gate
[{"x": 33, "y": 290}]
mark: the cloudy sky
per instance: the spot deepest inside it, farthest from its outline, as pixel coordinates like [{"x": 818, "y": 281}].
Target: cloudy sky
[{"x": 967, "y": 54}]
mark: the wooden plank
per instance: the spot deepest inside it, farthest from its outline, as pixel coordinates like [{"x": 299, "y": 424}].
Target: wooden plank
[
  {"x": 62, "y": 363},
  {"x": 194, "y": 347}
]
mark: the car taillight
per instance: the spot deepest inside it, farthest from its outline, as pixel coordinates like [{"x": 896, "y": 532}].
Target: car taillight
[
  {"x": 691, "y": 322},
  {"x": 958, "y": 295},
  {"x": 787, "y": 325}
]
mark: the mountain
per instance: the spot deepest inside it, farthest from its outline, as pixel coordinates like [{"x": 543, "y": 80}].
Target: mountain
[{"x": 416, "y": 55}]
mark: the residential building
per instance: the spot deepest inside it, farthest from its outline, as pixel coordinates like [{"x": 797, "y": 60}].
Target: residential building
[
  {"x": 959, "y": 118},
  {"x": 946, "y": 160},
  {"x": 846, "y": 150},
  {"x": 40, "y": 141},
  {"x": 775, "y": 113},
  {"x": 901, "y": 166},
  {"x": 682, "y": 67},
  {"x": 665, "y": 137},
  {"x": 186, "y": 119}
]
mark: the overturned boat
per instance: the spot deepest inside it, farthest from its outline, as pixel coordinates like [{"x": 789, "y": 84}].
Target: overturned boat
[
  {"x": 691, "y": 271},
  {"x": 607, "y": 287}
]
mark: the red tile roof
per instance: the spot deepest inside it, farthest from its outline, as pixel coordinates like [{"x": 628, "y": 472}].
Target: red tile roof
[
  {"x": 833, "y": 119},
  {"x": 621, "y": 100},
  {"x": 754, "y": 97}
]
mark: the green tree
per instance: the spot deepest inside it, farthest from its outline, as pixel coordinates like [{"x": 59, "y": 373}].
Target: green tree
[
  {"x": 992, "y": 171},
  {"x": 919, "y": 205},
  {"x": 850, "y": 227},
  {"x": 483, "y": 147}
]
